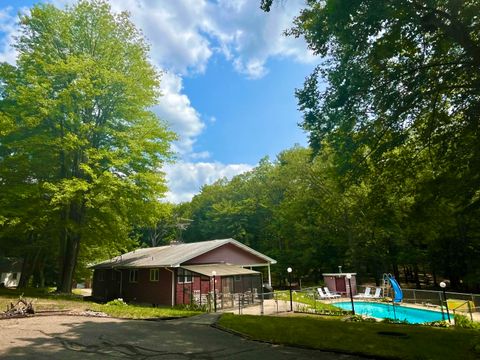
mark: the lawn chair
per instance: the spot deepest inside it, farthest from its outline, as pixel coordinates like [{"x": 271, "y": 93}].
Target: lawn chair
[
  {"x": 328, "y": 293},
  {"x": 377, "y": 293},
  {"x": 322, "y": 295},
  {"x": 366, "y": 294}
]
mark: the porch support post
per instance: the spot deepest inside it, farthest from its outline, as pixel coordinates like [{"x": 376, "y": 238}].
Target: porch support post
[{"x": 269, "y": 276}]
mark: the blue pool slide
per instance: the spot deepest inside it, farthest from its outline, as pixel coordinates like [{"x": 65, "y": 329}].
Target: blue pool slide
[{"x": 396, "y": 288}]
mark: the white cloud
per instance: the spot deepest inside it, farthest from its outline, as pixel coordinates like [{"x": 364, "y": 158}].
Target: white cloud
[
  {"x": 249, "y": 37},
  {"x": 185, "y": 179},
  {"x": 184, "y": 34},
  {"x": 175, "y": 108},
  {"x": 173, "y": 28},
  {"x": 8, "y": 31}
]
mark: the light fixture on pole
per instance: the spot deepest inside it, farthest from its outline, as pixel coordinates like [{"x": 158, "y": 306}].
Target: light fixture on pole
[
  {"x": 443, "y": 285},
  {"x": 289, "y": 271},
  {"x": 349, "y": 277},
  {"x": 214, "y": 273}
]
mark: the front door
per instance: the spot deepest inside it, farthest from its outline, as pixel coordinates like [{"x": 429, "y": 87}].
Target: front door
[{"x": 340, "y": 284}]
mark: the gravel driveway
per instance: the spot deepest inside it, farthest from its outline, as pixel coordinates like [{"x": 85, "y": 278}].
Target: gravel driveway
[{"x": 80, "y": 337}]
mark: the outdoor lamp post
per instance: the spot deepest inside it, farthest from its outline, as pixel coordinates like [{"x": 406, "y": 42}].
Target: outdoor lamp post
[
  {"x": 214, "y": 273},
  {"x": 289, "y": 271},
  {"x": 443, "y": 285},
  {"x": 349, "y": 277}
]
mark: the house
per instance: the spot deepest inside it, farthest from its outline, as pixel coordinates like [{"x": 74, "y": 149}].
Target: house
[
  {"x": 10, "y": 271},
  {"x": 181, "y": 273}
]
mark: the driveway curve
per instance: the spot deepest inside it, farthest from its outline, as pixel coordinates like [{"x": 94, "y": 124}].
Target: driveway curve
[{"x": 79, "y": 337}]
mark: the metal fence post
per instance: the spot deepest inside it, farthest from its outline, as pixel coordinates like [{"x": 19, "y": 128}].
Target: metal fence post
[{"x": 261, "y": 306}]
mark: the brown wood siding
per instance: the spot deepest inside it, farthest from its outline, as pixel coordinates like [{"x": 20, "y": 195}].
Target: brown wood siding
[
  {"x": 146, "y": 291},
  {"x": 339, "y": 283},
  {"x": 227, "y": 254},
  {"x": 107, "y": 288},
  {"x": 143, "y": 291}
]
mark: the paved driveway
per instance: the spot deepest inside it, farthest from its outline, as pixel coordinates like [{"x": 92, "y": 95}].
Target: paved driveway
[{"x": 76, "y": 337}]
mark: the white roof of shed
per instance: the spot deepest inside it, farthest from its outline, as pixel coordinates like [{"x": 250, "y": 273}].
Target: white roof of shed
[
  {"x": 338, "y": 274},
  {"x": 172, "y": 255}
]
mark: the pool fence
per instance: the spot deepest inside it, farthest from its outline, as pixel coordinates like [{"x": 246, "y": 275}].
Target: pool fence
[{"x": 308, "y": 300}]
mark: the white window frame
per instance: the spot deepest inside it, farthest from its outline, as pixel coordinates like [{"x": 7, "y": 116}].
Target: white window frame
[
  {"x": 184, "y": 276},
  {"x": 133, "y": 276},
  {"x": 156, "y": 274}
]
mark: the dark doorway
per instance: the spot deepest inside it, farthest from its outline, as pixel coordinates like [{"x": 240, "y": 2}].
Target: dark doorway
[{"x": 340, "y": 284}]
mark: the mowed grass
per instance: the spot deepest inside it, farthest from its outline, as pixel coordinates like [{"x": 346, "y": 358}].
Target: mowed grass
[
  {"x": 47, "y": 300},
  {"x": 362, "y": 338}
]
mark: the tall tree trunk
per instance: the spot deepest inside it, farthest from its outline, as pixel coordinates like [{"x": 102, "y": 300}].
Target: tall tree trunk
[
  {"x": 72, "y": 247},
  {"x": 416, "y": 276},
  {"x": 24, "y": 276},
  {"x": 29, "y": 264}
]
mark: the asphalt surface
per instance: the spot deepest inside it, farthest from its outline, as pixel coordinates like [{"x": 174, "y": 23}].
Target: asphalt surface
[{"x": 77, "y": 337}]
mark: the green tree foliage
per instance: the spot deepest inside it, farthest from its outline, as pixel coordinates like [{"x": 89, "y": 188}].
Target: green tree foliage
[
  {"x": 396, "y": 97},
  {"x": 80, "y": 149},
  {"x": 299, "y": 211}
]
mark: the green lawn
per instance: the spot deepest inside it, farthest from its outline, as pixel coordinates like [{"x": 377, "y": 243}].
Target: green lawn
[
  {"x": 141, "y": 312},
  {"x": 363, "y": 338},
  {"x": 45, "y": 299}
]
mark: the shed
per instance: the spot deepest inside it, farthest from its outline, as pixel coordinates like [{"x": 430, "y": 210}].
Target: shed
[
  {"x": 338, "y": 282},
  {"x": 10, "y": 271}
]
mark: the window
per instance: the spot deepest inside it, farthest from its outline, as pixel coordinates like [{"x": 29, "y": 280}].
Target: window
[
  {"x": 154, "y": 274},
  {"x": 114, "y": 275},
  {"x": 101, "y": 276},
  {"x": 184, "y": 276},
  {"x": 238, "y": 278},
  {"x": 14, "y": 276},
  {"x": 133, "y": 276}
]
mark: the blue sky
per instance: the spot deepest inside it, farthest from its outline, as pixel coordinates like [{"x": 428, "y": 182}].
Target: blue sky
[{"x": 228, "y": 83}]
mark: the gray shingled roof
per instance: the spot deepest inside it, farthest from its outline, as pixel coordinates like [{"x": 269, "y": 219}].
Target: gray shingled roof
[{"x": 172, "y": 255}]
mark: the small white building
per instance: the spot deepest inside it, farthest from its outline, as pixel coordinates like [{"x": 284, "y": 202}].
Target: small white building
[{"x": 10, "y": 271}]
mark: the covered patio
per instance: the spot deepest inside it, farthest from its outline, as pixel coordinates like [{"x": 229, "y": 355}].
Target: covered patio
[{"x": 231, "y": 284}]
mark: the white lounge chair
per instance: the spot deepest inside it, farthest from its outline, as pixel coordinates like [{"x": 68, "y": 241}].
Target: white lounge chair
[
  {"x": 322, "y": 295},
  {"x": 377, "y": 293},
  {"x": 366, "y": 294},
  {"x": 328, "y": 293}
]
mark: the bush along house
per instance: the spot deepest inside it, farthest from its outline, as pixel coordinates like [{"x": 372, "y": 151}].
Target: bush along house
[{"x": 183, "y": 274}]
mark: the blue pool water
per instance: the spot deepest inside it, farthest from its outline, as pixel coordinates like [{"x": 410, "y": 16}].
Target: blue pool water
[{"x": 384, "y": 311}]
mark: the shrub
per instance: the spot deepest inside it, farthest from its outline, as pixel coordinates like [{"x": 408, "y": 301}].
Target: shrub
[
  {"x": 359, "y": 318},
  {"x": 464, "y": 322},
  {"x": 396, "y": 321},
  {"x": 191, "y": 307},
  {"x": 117, "y": 302}
]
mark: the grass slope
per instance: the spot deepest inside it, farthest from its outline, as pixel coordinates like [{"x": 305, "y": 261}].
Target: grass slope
[{"x": 417, "y": 342}]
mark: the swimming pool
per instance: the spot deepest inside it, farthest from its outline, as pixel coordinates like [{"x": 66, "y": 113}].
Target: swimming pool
[{"x": 385, "y": 311}]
